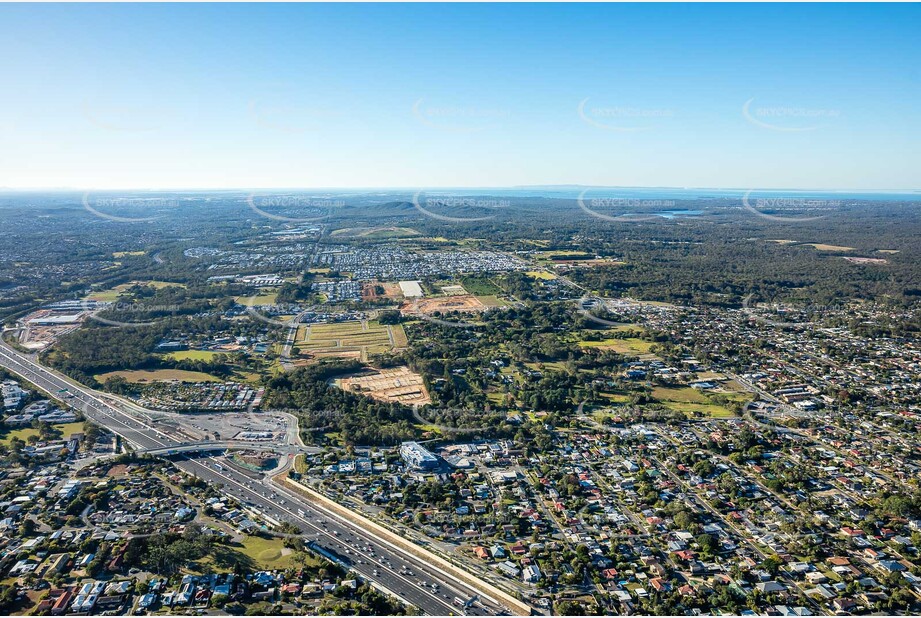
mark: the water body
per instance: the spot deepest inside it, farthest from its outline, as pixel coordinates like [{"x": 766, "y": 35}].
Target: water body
[
  {"x": 671, "y": 214},
  {"x": 669, "y": 193}
]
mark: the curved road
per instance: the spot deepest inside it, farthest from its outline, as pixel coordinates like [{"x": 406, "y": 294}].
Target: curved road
[{"x": 404, "y": 575}]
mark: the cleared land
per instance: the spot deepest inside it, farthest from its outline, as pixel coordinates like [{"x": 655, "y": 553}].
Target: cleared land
[
  {"x": 375, "y": 232},
  {"x": 158, "y": 375},
  {"x": 379, "y": 289},
  {"x": 822, "y": 247},
  {"x": 396, "y": 385},
  {"x": 630, "y": 345},
  {"x": 465, "y": 304},
  {"x": 349, "y": 339}
]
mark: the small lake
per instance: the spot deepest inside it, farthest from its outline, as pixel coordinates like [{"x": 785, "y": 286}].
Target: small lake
[{"x": 665, "y": 214}]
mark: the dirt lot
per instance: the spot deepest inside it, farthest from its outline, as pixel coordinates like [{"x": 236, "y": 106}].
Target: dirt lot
[
  {"x": 465, "y": 303},
  {"x": 370, "y": 291},
  {"x": 398, "y": 384}
]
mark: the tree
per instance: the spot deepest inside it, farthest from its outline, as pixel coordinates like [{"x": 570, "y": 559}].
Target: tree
[{"x": 707, "y": 543}]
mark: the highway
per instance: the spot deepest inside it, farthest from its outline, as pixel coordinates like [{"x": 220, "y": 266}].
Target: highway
[{"x": 389, "y": 567}]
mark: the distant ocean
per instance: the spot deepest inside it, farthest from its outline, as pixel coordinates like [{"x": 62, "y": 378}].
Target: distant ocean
[{"x": 666, "y": 193}]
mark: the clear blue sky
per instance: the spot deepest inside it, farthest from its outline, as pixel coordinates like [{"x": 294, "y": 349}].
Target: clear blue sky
[{"x": 182, "y": 96}]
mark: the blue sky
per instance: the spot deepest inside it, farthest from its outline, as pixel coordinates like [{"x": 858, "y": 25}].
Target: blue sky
[{"x": 390, "y": 95}]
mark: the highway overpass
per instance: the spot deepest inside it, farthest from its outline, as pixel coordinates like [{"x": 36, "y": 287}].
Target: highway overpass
[{"x": 402, "y": 573}]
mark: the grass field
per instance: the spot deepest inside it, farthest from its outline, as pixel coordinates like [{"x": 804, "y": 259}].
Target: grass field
[
  {"x": 265, "y": 297},
  {"x": 492, "y": 301},
  {"x": 376, "y": 232},
  {"x": 690, "y": 401},
  {"x": 540, "y": 274},
  {"x": 23, "y": 433},
  {"x": 257, "y": 553},
  {"x": 616, "y": 397},
  {"x": 479, "y": 286},
  {"x": 631, "y": 345},
  {"x": 706, "y": 409},
  {"x": 143, "y": 375},
  {"x": 121, "y": 254},
  {"x": 204, "y": 355},
  {"x": 685, "y": 394},
  {"x": 350, "y": 339},
  {"x": 112, "y": 294},
  {"x": 400, "y": 340},
  {"x": 822, "y": 247}
]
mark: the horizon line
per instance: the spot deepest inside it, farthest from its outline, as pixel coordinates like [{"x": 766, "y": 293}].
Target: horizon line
[{"x": 543, "y": 187}]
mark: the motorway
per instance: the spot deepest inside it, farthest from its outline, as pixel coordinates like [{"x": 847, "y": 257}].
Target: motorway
[{"x": 389, "y": 567}]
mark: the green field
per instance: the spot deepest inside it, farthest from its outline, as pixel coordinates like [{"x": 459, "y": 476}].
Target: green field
[
  {"x": 142, "y": 375},
  {"x": 23, "y": 433},
  {"x": 376, "y": 232},
  {"x": 492, "y": 301},
  {"x": 630, "y": 345},
  {"x": 112, "y": 294},
  {"x": 616, "y": 397},
  {"x": 265, "y": 297},
  {"x": 479, "y": 286},
  {"x": 679, "y": 395},
  {"x": 540, "y": 274},
  {"x": 706, "y": 409},
  {"x": 350, "y": 339},
  {"x": 205, "y": 355},
  {"x": 255, "y": 552}
]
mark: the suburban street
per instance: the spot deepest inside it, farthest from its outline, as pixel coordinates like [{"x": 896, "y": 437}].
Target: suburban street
[{"x": 385, "y": 565}]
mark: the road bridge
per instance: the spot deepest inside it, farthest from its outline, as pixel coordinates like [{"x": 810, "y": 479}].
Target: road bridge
[
  {"x": 207, "y": 446},
  {"x": 388, "y": 569}
]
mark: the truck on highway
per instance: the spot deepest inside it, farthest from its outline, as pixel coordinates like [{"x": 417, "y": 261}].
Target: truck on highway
[{"x": 329, "y": 553}]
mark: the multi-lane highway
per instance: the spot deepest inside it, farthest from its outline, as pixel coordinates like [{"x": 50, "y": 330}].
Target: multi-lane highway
[{"x": 403, "y": 574}]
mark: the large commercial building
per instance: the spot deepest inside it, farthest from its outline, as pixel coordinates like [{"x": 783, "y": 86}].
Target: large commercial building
[{"x": 417, "y": 456}]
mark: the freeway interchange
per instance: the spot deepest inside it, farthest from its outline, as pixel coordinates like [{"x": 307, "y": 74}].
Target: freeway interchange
[{"x": 385, "y": 565}]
